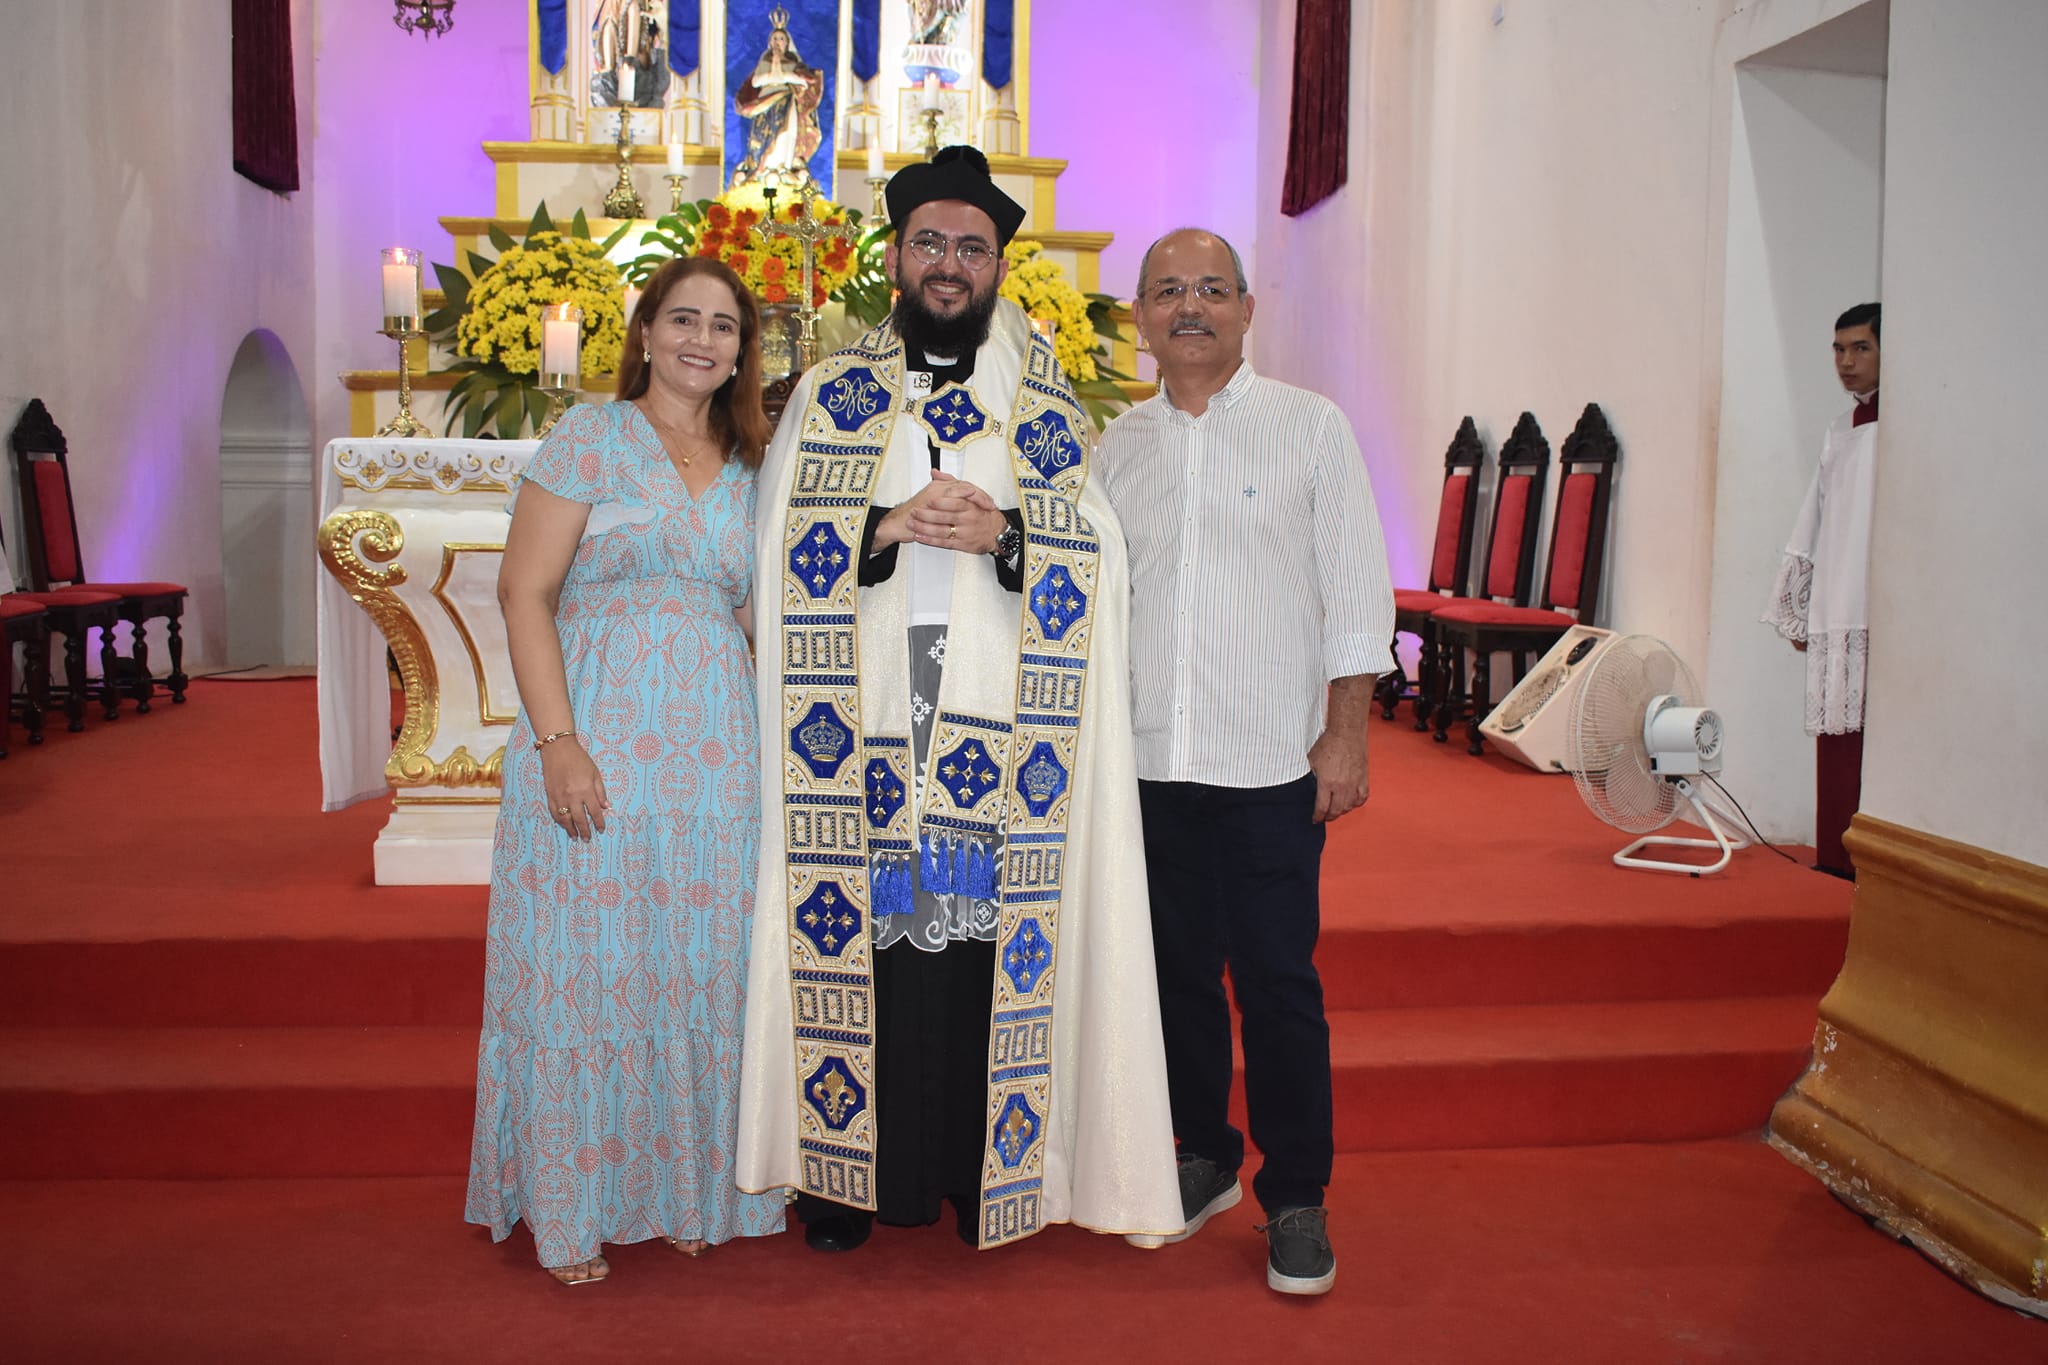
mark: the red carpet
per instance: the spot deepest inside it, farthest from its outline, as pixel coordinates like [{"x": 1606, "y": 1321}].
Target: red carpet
[{"x": 197, "y": 979}]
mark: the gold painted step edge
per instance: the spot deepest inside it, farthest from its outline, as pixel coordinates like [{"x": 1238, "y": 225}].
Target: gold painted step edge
[
  {"x": 383, "y": 381},
  {"x": 645, "y": 153},
  {"x": 477, "y": 228}
]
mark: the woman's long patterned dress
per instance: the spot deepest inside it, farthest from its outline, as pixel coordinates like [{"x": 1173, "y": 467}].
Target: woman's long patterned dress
[{"x": 615, "y": 970}]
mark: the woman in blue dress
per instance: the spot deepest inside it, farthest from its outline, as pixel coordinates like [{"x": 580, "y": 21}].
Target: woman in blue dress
[{"x": 622, "y": 878}]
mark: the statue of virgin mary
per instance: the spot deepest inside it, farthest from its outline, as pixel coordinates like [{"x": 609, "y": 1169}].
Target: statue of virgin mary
[{"x": 780, "y": 102}]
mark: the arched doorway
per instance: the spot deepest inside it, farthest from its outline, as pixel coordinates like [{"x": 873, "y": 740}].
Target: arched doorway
[
  {"x": 1804, "y": 240},
  {"x": 267, "y": 506}
]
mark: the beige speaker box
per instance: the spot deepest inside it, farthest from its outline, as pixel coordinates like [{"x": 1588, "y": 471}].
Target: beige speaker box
[{"x": 1532, "y": 723}]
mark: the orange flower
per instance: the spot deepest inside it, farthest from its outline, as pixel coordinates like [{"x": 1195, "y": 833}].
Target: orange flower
[
  {"x": 836, "y": 258},
  {"x": 818, "y": 296},
  {"x": 738, "y": 263},
  {"x": 746, "y": 218},
  {"x": 774, "y": 293},
  {"x": 712, "y": 238},
  {"x": 707, "y": 249},
  {"x": 774, "y": 268},
  {"x": 718, "y": 215}
]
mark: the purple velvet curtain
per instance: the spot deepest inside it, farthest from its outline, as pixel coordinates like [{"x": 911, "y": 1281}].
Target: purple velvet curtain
[
  {"x": 266, "y": 111},
  {"x": 1318, "y": 126}
]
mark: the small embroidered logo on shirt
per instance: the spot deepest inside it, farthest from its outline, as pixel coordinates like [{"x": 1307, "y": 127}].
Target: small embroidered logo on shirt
[{"x": 1249, "y": 490}]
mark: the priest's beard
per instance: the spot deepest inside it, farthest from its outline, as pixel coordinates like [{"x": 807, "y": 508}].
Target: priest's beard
[{"x": 926, "y": 333}]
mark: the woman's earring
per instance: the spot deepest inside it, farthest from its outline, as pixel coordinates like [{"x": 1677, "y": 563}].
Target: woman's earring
[
  {"x": 735, "y": 373},
  {"x": 647, "y": 355}
]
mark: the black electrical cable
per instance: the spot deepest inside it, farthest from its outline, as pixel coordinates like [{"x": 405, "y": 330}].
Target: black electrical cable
[{"x": 1746, "y": 820}]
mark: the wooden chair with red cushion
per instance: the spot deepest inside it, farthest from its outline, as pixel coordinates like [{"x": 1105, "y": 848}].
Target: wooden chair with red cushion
[
  {"x": 74, "y": 614},
  {"x": 23, "y": 622},
  {"x": 1571, "y": 587},
  {"x": 1450, "y": 563},
  {"x": 57, "y": 565},
  {"x": 1509, "y": 565}
]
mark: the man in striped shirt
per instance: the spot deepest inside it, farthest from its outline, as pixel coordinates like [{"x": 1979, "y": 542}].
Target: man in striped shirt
[{"x": 1261, "y": 616}]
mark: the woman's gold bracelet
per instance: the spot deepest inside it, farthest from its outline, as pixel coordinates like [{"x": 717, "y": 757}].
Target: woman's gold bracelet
[{"x": 546, "y": 740}]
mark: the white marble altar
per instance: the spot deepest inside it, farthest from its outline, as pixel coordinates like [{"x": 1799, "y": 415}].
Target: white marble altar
[{"x": 411, "y": 535}]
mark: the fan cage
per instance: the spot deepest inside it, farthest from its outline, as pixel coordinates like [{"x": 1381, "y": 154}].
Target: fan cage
[{"x": 1610, "y": 762}]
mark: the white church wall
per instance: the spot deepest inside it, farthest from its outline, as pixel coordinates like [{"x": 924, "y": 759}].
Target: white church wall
[
  {"x": 1153, "y": 104},
  {"x": 1803, "y": 194},
  {"x": 137, "y": 262},
  {"x": 1957, "y": 731},
  {"x": 1338, "y": 288},
  {"x": 397, "y": 142},
  {"x": 1524, "y": 228}
]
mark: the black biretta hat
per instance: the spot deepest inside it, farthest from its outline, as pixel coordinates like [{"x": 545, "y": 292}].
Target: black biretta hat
[{"x": 955, "y": 173}]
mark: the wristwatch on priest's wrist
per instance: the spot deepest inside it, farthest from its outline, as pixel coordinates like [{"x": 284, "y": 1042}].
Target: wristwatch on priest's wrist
[{"x": 1009, "y": 544}]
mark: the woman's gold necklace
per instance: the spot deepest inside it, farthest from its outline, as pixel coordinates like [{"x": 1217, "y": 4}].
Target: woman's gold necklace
[{"x": 676, "y": 438}]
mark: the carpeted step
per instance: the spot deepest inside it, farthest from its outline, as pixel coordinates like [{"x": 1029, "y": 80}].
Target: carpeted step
[
  {"x": 1562, "y": 957},
  {"x": 181, "y": 1103},
  {"x": 1551, "y": 1075},
  {"x": 151, "y": 1103},
  {"x": 436, "y": 977},
  {"x": 398, "y": 977}
]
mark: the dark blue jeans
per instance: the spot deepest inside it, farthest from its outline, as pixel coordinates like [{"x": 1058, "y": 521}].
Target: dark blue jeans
[{"x": 1235, "y": 874}]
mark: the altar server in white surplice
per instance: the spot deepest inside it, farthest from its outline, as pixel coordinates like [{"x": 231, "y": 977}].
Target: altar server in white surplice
[
  {"x": 1818, "y": 601},
  {"x": 950, "y": 995}
]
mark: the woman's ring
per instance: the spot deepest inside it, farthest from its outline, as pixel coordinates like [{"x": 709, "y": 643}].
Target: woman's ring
[
  {"x": 561, "y": 810},
  {"x": 952, "y": 531}
]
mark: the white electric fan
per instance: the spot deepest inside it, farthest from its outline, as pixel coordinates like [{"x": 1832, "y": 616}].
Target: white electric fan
[{"x": 1639, "y": 736}]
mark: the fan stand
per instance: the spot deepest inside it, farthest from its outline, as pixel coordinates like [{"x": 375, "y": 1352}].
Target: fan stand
[{"x": 1706, "y": 814}]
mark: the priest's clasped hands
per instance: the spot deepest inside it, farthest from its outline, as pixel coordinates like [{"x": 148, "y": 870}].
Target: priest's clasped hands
[{"x": 949, "y": 513}]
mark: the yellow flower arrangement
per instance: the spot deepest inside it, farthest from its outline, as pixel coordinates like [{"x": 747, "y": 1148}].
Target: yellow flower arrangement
[
  {"x": 502, "y": 322},
  {"x": 1040, "y": 288},
  {"x": 772, "y": 268}
]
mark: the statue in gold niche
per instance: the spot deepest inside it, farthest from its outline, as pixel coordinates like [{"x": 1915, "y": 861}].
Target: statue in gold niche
[
  {"x": 780, "y": 102},
  {"x": 626, "y": 36}
]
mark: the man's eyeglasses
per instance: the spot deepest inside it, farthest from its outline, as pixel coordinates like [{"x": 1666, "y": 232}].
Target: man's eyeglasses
[
  {"x": 1171, "y": 293},
  {"x": 930, "y": 248}
]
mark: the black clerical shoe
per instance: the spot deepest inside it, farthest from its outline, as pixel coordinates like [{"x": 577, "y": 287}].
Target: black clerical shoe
[
  {"x": 839, "y": 1232},
  {"x": 1298, "y": 1255},
  {"x": 1206, "y": 1190}
]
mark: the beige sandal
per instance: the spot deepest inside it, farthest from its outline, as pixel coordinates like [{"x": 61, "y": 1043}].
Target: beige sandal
[
  {"x": 688, "y": 1248},
  {"x": 588, "y": 1272}
]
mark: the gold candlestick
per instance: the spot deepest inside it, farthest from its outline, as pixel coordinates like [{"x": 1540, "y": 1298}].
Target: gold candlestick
[
  {"x": 404, "y": 331},
  {"x": 931, "y": 133},
  {"x": 560, "y": 399},
  {"x": 809, "y": 232},
  {"x": 624, "y": 201},
  {"x": 877, "y": 190},
  {"x": 675, "y": 192}
]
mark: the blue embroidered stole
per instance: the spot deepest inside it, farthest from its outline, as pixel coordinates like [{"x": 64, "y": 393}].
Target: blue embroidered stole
[{"x": 994, "y": 780}]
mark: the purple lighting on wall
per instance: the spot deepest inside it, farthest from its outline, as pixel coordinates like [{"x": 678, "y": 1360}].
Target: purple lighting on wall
[{"x": 425, "y": 17}]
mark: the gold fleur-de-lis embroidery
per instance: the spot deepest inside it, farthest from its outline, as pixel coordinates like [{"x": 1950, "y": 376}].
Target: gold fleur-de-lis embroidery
[{"x": 835, "y": 1095}]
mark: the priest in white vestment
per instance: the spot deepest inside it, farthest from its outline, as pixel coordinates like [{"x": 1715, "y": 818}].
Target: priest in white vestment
[
  {"x": 951, "y": 997},
  {"x": 1818, "y": 600}
]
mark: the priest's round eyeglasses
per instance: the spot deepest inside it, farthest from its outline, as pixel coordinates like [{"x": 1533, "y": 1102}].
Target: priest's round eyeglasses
[{"x": 930, "y": 248}]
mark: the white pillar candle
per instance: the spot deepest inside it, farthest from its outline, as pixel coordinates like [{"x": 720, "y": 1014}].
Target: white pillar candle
[
  {"x": 675, "y": 158},
  {"x": 632, "y": 302},
  {"x": 561, "y": 335},
  {"x": 401, "y": 282},
  {"x": 625, "y": 80},
  {"x": 876, "y": 170},
  {"x": 931, "y": 91}
]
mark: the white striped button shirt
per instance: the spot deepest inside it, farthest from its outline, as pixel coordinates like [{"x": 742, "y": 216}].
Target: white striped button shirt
[{"x": 1258, "y": 574}]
